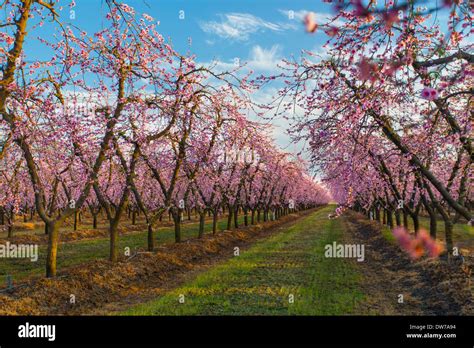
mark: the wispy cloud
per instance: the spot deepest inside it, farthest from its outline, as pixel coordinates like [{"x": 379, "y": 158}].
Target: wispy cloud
[
  {"x": 262, "y": 59},
  {"x": 239, "y": 26}
]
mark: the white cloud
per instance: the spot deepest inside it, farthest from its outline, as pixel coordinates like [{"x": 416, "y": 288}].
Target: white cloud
[
  {"x": 264, "y": 59},
  {"x": 239, "y": 26}
]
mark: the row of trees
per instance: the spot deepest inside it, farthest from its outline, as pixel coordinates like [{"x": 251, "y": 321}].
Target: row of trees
[
  {"x": 388, "y": 111},
  {"x": 119, "y": 120}
]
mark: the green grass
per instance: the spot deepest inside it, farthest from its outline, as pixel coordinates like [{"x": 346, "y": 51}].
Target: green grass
[
  {"x": 388, "y": 235},
  {"x": 74, "y": 253},
  {"x": 261, "y": 280}
]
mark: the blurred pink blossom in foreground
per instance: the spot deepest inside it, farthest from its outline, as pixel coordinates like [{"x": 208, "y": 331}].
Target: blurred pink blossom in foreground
[
  {"x": 310, "y": 22},
  {"x": 417, "y": 246}
]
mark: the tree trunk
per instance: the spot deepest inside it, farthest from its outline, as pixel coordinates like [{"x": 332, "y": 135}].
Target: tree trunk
[
  {"x": 52, "y": 252},
  {"x": 177, "y": 226},
  {"x": 229, "y": 219},
  {"x": 389, "y": 218},
  {"x": 236, "y": 218},
  {"x": 113, "y": 232},
  {"x": 448, "y": 230},
  {"x": 398, "y": 217},
  {"x": 202, "y": 217},
  {"x": 214, "y": 221},
  {"x": 134, "y": 217},
  {"x": 151, "y": 239},
  {"x": 252, "y": 219},
  {"x": 10, "y": 229},
  {"x": 433, "y": 223},
  {"x": 405, "y": 219},
  {"x": 94, "y": 221},
  {"x": 75, "y": 220},
  {"x": 416, "y": 223}
]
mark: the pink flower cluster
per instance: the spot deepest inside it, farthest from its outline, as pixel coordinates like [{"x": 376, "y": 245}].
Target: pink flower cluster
[
  {"x": 419, "y": 245},
  {"x": 429, "y": 93}
]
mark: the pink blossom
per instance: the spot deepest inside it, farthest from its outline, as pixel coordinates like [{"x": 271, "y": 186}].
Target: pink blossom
[
  {"x": 416, "y": 249},
  {"x": 368, "y": 70},
  {"x": 310, "y": 23},
  {"x": 360, "y": 10},
  {"x": 332, "y": 31},
  {"x": 418, "y": 246},
  {"x": 455, "y": 37},
  {"x": 402, "y": 237},
  {"x": 429, "y": 93},
  {"x": 432, "y": 247},
  {"x": 148, "y": 17},
  {"x": 390, "y": 18}
]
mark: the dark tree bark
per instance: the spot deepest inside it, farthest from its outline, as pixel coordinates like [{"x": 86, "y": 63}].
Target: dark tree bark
[
  {"x": 202, "y": 217},
  {"x": 214, "y": 221},
  {"x": 150, "y": 237},
  {"x": 229, "y": 218}
]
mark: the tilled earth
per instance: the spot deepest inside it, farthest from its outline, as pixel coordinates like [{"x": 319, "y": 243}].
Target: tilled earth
[{"x": 428, "y": 286}]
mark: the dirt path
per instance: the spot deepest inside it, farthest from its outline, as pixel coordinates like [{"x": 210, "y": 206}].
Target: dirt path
[
  {"x": 429, "y": 287},
  {"x": 99, "y": 287}
]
